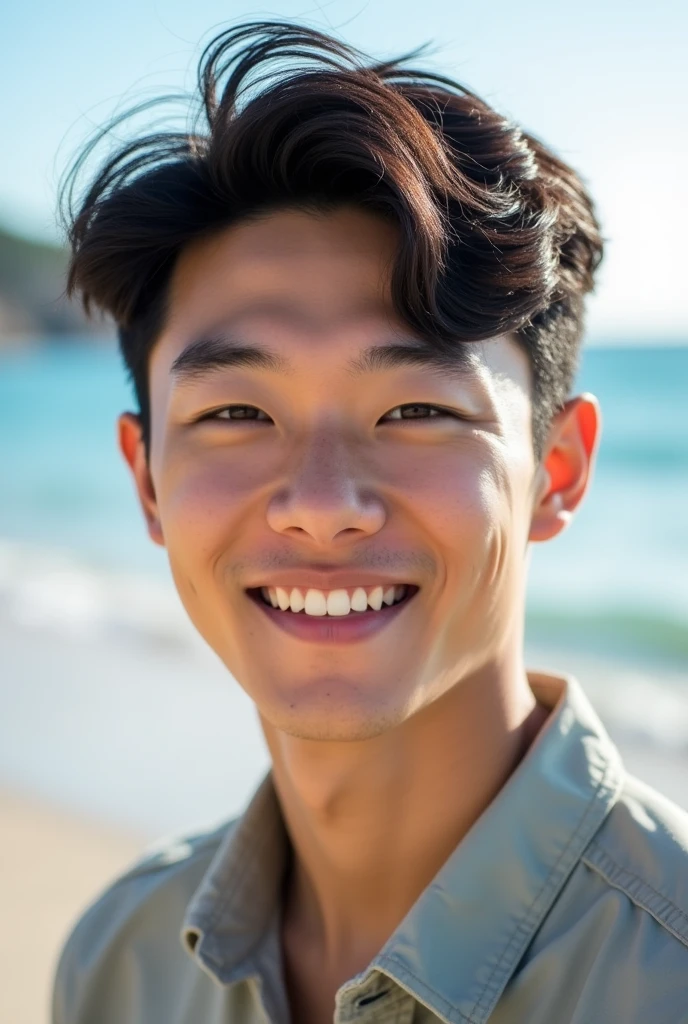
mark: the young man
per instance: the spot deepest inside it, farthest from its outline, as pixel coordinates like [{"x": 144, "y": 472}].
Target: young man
[{"x": 352, "y": 309}]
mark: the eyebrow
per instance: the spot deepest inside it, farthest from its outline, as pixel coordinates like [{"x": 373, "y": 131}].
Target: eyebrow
[{"x": 207, "y": 355}]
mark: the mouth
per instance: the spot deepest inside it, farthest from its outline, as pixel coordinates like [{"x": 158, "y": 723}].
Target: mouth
[{"x": 336, "y": 617}]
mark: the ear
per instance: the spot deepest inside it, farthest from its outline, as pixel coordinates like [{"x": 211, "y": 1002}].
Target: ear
[
  {"x": 130, "y": 436},
  {"x": 565, "y": 471}
]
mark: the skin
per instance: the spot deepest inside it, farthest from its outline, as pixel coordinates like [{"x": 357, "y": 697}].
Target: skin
[{"x": 432, "y": 714}]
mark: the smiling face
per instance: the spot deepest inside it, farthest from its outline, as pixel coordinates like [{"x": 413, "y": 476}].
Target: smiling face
[{"x": 324, "y": 461}]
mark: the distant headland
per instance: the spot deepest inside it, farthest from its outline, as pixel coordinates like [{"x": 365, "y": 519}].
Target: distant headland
[{"x": 32, "y": 300}]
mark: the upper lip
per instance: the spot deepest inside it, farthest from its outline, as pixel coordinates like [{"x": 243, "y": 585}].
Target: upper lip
[{"x": 326, "y": 580}]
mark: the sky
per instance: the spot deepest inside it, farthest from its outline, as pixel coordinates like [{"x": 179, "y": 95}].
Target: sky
[{"x": 603, "y": 82}]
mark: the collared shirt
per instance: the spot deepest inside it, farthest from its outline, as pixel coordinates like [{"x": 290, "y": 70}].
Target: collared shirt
[{"x": 566, "y": 903}]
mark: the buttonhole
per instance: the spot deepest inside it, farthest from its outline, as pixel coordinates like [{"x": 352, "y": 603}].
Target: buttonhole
[{"x": 364, "y": 1000}]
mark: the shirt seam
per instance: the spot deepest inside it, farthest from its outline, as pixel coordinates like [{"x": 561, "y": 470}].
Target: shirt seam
[
  {"x": 525, "y": 926},
  {"x": 611, "y": 878},
  {"x": 153, "y": 863}
]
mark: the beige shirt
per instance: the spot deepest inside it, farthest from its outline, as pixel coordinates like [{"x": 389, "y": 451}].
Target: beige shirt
[{"x": 566, "y": 903}]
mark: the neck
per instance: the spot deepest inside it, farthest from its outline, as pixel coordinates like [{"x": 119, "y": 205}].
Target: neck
[{"x": 372, "y": 822}]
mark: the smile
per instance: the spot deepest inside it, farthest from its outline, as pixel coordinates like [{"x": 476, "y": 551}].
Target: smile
[
  {"x": 335, "y": 616},
  {"x": 333, "y": 602}
]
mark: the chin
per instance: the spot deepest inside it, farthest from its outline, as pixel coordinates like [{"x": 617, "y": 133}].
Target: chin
[{"x": 325, "y": 717}]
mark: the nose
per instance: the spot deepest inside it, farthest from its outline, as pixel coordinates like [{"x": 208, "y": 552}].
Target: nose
[{"x": 325, "y": 498}]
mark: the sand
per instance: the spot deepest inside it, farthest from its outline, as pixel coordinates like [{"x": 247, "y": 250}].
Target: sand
[
  {"x": 107, "y": 744},
  {"x": 52, "y": 865}
]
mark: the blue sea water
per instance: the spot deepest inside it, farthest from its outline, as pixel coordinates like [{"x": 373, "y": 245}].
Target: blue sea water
[{"x": 616, "y": 582}]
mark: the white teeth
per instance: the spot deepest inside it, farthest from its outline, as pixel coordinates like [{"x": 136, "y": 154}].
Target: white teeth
[
  {"x": 316, "y": 603},
  {"x": 338, "y": 603}
]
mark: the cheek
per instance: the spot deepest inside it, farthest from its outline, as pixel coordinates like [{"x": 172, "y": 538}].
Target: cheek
[
  {"x": 504, "y": 491},
  {"x": 204, "y": 501},
  {"x": 467, "y": 501},
  {"x": 455, "y": 498}
]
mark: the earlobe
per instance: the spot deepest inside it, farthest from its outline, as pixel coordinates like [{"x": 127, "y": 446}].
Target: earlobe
[
  {"x": 132, "y": 447},
  {"x": 567, "y": 465}
]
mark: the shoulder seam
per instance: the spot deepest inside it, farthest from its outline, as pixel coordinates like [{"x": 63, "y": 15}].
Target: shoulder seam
[
  {"x": 640, "y": 892},
  {"x": 157, "y": 858}
]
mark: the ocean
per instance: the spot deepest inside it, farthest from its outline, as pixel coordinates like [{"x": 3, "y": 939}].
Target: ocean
[{"x": 75, "y": 560}]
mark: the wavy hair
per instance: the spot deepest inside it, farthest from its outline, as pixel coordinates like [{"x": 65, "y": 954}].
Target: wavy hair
[{"x": 497, "y": 234}]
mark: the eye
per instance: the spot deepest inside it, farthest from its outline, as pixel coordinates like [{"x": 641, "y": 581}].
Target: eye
[
  {"x": 237, "y": 413},
  {"x": 412, "y": 411},
  {"x": 427, "y": 412}
]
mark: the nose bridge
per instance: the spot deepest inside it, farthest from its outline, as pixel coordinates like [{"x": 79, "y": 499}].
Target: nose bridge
[
  {"x": 325, "y": 491},
  {"x": 325, "y": 461},
  {"x": 327, "y": 472}
]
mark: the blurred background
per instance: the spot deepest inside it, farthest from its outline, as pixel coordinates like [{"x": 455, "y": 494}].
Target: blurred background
[{"x": 117, "y": 725}]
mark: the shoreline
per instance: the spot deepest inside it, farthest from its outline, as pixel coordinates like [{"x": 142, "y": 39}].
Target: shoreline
[{"x": 153, "y": 735}]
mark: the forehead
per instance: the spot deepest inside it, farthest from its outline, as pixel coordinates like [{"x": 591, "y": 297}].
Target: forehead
[
  {"x": 312, "y": 284},
  {"x": 325, "y": 267}
]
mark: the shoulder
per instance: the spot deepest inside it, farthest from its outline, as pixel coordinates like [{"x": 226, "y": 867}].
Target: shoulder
[
  {"x": 642, "y": 851},
  {"x": 614, "y": 944},
  {"x": 143, "y": 908}
]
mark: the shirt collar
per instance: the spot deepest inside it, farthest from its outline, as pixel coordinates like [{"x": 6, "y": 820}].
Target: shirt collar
[
  {"x": 233, "y": 906},
  {"x": 461, "y": 941}
]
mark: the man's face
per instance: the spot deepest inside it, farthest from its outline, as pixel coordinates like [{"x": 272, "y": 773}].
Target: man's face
[{"x": 324, "y": 473}]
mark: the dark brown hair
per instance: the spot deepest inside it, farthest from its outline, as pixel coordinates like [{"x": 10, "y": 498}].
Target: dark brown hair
[{"x": 496, "y": 233}]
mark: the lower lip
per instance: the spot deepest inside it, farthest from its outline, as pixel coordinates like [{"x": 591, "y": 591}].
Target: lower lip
[{"x": 333, "y": 629}]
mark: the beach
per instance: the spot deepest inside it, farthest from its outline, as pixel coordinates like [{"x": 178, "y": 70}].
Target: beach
[
  {"x": 53, "y": 864},
  {"x": 120, "y": 728},
  {"x": 109, "y": 746}
]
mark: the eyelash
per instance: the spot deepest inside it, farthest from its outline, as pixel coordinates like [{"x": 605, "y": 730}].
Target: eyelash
[{"x": 442, "y": 413}]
